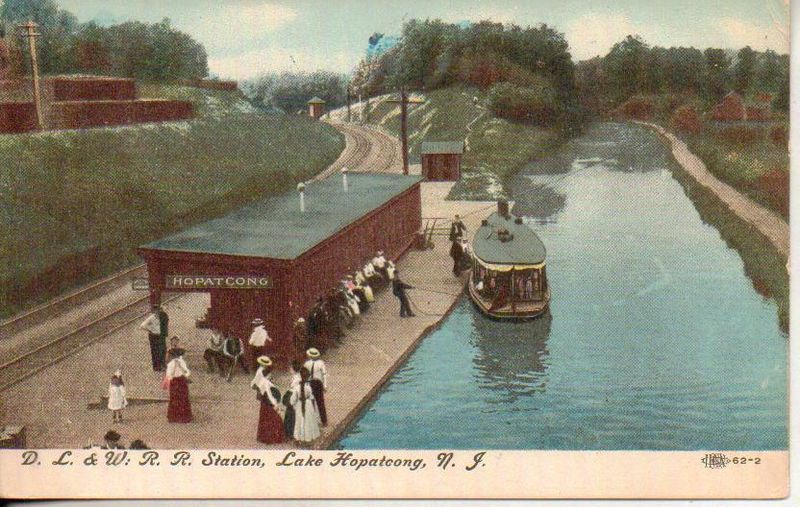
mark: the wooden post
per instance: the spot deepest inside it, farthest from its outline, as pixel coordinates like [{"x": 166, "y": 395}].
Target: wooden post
[
  {"x": 348, "y": 103},
  {"x": 404, "y": 127},
  {"x": 31, "y": 34}
]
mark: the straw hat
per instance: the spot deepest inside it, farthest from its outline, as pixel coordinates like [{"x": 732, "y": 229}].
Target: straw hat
[
  {"x": 257, "y": 322},
  {"x": 312, "y": 353},
  {"x": 264, "y": 361}
]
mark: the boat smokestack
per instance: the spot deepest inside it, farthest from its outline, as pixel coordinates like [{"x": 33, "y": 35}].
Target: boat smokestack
[
  {"x": 502, "y": 208},
  {"x": 344, "y": 178},
  {"x": 301, "y": 187}
]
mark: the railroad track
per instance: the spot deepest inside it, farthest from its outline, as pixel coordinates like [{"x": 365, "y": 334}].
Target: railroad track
[
  {"x": 367, "y": 149},
  {"x": 59, "y": 305},
  {"x": 32, "y": 362}
]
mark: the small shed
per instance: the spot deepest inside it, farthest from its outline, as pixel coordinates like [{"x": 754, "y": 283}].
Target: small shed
[
  {"x": 316, "y": 107},
  {"x": 441, "y": 161},
  {"x": 271, "y": 260}
]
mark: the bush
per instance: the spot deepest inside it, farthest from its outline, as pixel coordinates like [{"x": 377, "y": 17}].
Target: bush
[
  {"x": 779, "y": 135},
  {"x": 537, "y": 104},
  {"x": 635, "y": 108},
  {"x": 741, "y": 134},
  {"x": 686, "y": 119},
  {"x": 774, "y": 185}
]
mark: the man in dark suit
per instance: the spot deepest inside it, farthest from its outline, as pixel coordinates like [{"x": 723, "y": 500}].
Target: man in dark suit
[{"x": 399, "y": 290}]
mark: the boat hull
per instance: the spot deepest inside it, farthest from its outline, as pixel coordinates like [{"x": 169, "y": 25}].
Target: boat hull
[{"x": 519, "y": 311}]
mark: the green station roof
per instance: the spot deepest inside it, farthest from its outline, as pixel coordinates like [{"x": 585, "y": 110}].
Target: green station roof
[
  {"x": 442, "y": 147},
  {"x": 274, "y": 227},
  {"x": 525, "y": 248}
]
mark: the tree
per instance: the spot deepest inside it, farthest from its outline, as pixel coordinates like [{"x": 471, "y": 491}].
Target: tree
[
  {"x": 716, "y": 76},
  {"x": 781, "y": 101},
  {"x": 769, "y": 71},
  {"x": 744, "y": 70},
  {"x": 626, "y": 67}
]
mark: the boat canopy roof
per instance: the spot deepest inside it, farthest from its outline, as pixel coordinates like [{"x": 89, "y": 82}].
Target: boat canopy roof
[{"x": 520, "y": 247}]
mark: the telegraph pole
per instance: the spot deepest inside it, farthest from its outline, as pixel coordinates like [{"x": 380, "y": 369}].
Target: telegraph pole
[
  {"x": 348, "y": 102},
  {"x": 404, "y": 102},
  {"x": 31, "y": 34}
]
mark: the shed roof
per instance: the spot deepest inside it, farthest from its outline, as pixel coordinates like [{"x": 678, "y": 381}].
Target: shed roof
[
  {"x": 442, "y": 147},
  {"x": 316, "y": 100},
  {"x": 274, "y": 227},
  {"x": 525, "y": 248}
]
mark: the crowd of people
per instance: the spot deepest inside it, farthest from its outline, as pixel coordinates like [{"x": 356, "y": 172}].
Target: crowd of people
[{"x": 297, "y": 413}]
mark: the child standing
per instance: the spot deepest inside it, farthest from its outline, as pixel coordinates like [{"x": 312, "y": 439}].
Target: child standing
[{"x": 117, "y": 399}]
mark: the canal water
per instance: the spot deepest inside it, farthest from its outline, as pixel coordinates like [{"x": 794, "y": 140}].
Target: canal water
[{"x": 656, "y": 338}]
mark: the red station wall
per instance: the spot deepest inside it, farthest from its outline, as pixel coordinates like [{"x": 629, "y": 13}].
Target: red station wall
[{"x": 298, "y": 283}]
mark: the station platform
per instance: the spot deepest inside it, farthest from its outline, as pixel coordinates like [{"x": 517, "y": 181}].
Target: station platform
[{"x": 54, "y": 404}]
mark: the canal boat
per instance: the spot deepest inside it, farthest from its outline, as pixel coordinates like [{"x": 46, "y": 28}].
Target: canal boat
[{"x": 508, "y": 278}]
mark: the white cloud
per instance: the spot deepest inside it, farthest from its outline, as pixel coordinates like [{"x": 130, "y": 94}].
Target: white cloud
[
  {"x": 737, "y": 33},
  {"x": 279, "y": 59},
  {"x": 235, "y": 25},
  {"x": 593, "y": 35}
]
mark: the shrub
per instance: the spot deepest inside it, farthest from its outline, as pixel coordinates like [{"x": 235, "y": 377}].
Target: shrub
[
  {"x": 686, "y": 119},
  {"x": 779, "y": 135},
  {"x": 774, "y": 185},
  {"x": 635, "y": 108},
  {"x": 537, "y": 104}
]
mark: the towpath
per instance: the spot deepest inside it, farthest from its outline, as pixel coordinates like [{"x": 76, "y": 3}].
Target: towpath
[{"x": 768, "y": 223}]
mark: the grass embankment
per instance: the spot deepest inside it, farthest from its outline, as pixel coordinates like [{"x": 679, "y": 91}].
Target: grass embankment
[
  {"x": 76, "y": 204},
  {"x": 752, "y": 156},
  {"x": 497, "y": 148},
  {"x": 757, "y": 168}
]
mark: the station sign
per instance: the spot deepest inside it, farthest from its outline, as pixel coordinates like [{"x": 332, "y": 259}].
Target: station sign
[{"x": 176, "y": 282}]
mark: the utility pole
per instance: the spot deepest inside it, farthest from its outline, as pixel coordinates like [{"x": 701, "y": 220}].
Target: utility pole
[
  {"x": 404, "y": 102},
  {"x": 31, "y": 33},
  {"x": 348, "y": 102}
]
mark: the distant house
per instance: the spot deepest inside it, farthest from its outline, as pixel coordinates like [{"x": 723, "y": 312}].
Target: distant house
[
  {"x": 441, "y": 161},
  {"x": 316, "y": 107}
]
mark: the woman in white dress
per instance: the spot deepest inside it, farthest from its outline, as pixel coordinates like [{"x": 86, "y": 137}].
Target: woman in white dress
[
  {"x": 117, "y": 399},
  {"x": 306, "y": 413}
]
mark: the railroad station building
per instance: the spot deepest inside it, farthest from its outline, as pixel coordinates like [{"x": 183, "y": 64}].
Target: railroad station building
[
  {"x": 316, "y": 108},
  {"x": 441, "y": 160},
  {"x": 272, "y": 260}
]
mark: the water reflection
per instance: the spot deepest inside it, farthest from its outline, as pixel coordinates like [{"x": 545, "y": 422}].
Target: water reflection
[{"x": 512, "y": 357}]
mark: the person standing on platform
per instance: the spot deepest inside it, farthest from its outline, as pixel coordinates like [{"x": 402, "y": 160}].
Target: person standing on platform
[
  {"x": 456, "y": 252},
  {"x": 258, "y": 339},
  {"x": 399, "y": 290},
  {"x": 306, "y": 414},
  {"x": 379, "y": 263},
  {"x": 288, "y": 415},
  {"x": 457, "y": 229},
  {"x": 163, "y": 322},
  {"x": 180, "y": 408},
  {"x": 117, "y": 399},
  {"x": 158, "y": 342},
  {"x": 318, "y": 381},
  {"x": 270, "y": 426}
]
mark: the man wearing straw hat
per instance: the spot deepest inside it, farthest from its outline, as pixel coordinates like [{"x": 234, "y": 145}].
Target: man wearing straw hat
[
  {"x": 258, "y": 339},
  {"x": 318, "y": 381}
]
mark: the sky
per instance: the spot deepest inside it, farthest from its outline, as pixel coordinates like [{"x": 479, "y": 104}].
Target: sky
[{"x": 245, "y": 38}]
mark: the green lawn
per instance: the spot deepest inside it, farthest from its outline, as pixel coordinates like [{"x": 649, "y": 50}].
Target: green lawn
[
  {"x": 75, "y": 204},
  {"x": 497, "y": 149}
]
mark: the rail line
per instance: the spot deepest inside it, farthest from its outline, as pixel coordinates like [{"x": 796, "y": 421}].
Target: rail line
[
  {"x": 32, "y": 362},
  {"x": 367, "y": 149}
]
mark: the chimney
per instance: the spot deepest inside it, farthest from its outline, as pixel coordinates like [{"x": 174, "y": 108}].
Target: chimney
[
  {"x": 344, "y": 178},
  {"x": 502, "y": 209},
  {"x": 301, "y": 187}
]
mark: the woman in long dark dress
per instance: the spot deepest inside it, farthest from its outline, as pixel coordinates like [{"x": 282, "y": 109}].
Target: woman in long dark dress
[
  {"x": 180, "y": 408},
  {"x": 270, "y": 426}
]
